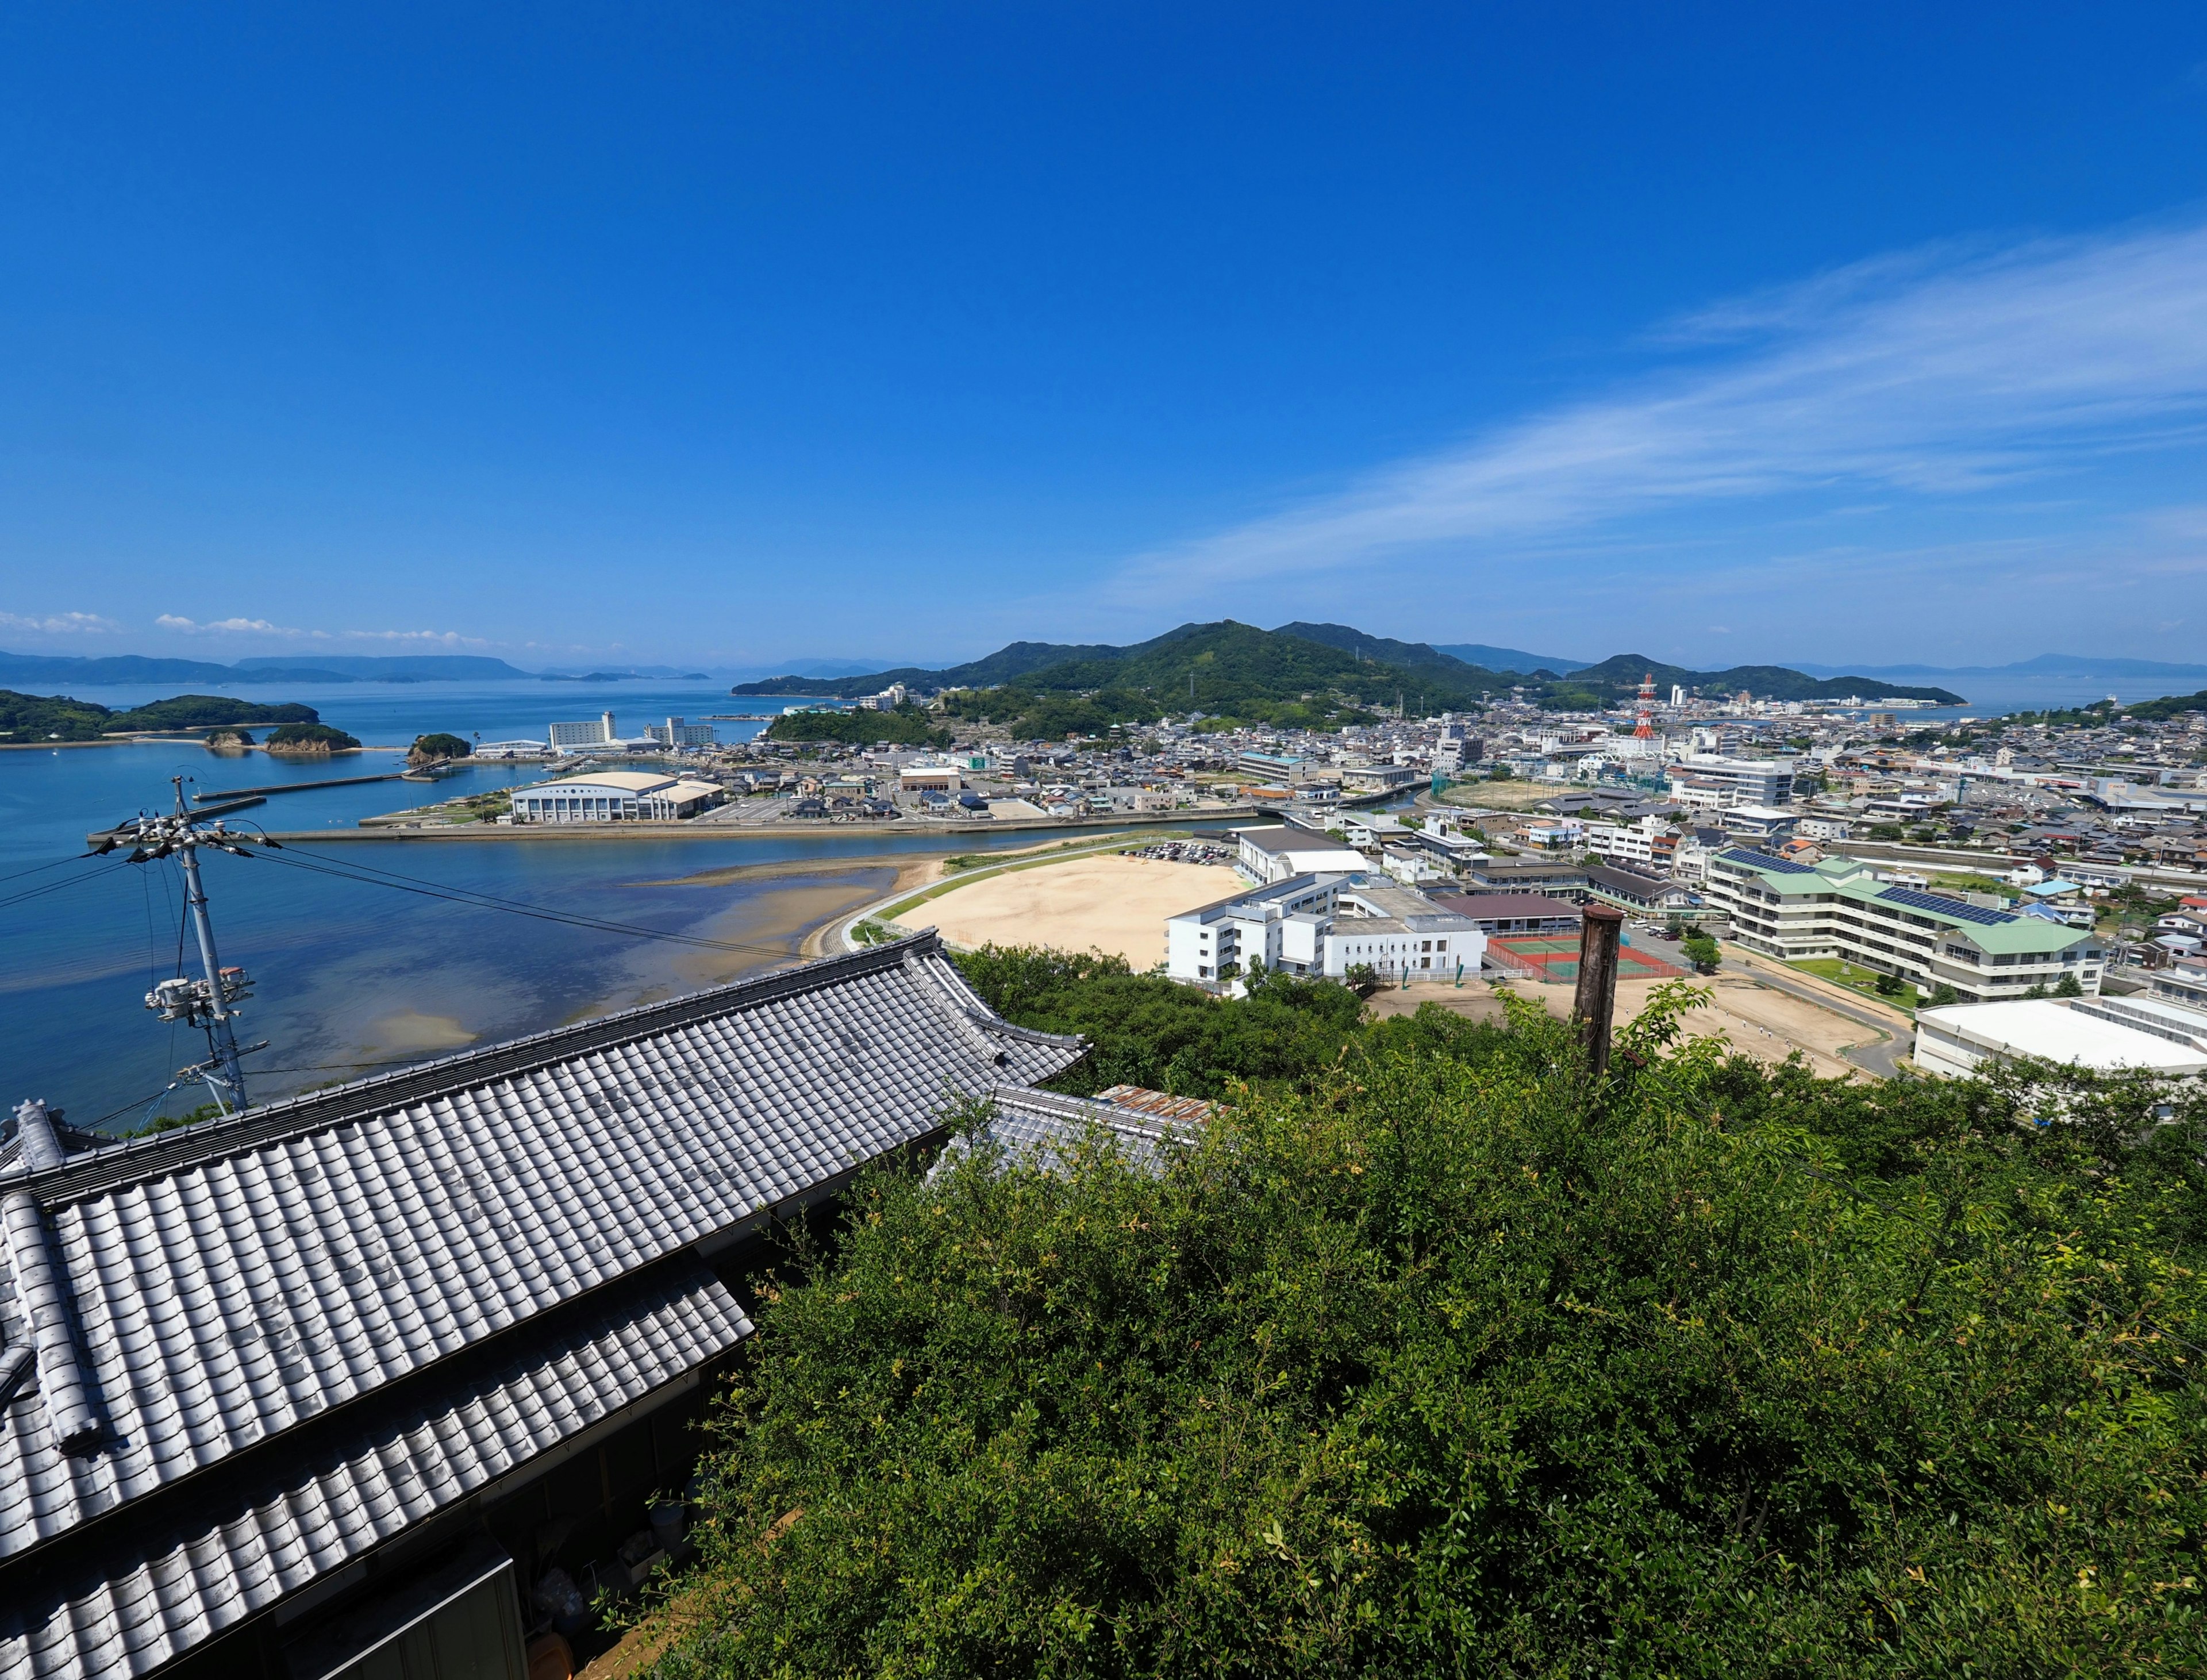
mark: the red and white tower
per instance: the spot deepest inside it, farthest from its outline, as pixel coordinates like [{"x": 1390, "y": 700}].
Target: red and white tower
[{"x": 1645, "y": 729}]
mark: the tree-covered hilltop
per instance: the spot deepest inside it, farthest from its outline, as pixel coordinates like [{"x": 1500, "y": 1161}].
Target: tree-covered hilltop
[
  {"x": 1331, "y": 670},
  {"x": 1617, "y": 678},
  {"x": 1430, "y": 1356},
  {"x": 30, "y": 717},
  {"x": 437, "y": 749},
  {"x": 2173, "y": 705},
  {"x": 1231, "y": 673},
  {"x": 309, "y": 738},
  {"x": 903, "y": 725}
]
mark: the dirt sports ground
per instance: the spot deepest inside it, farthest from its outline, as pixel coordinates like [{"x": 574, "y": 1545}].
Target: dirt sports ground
[
  {"x": 1766, "y": 1025},
  {"x": 1110, "y": 904}
]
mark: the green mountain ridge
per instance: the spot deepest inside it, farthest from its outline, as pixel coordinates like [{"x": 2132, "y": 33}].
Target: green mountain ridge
[
  {"x": 1228, "y": 669},
  {"x": 1620, "y": 675}
]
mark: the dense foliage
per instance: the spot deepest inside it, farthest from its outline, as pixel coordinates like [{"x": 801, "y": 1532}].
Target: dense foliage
[
  {"x": 1148, "y": 1030},
  {"x": 1439, "y": 1359},
  {"x": 429, "y": 749},
  {"x": 903, "y": 725},
  {"x": 309, "y": 738},
  {"x": 2174, "y": 704},
  {"x": 57, "y": 717}
]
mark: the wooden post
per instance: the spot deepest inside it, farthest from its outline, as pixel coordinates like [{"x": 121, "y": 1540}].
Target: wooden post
[{"x": 1596, "y": 1001}]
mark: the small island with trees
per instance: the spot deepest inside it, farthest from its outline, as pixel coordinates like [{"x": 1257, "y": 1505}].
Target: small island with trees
[
  {"x": 439, "y": 748},
  {"x": 309, "y": 740}
]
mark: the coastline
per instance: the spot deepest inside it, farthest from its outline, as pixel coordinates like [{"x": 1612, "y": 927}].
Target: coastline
[{"x": 956, "y": 833}]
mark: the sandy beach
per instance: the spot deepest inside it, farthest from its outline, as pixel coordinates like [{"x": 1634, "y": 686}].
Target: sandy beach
[{"x": 1110, "y": 904}]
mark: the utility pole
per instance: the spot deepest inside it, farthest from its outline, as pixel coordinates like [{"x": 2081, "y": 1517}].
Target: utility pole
[
  {"x": 1595, "y": 1005},
  {"x": 210, "y": 1002}
]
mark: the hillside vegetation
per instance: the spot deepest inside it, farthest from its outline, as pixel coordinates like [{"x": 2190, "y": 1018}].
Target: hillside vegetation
[
  {"x": 2174, "y": 704},
  {"x": 906, "y": 726},
  {"x": 57, "y": 717},
  {"x": 1431, "y": 1357},
  {"x": 1334, "y": 672}
]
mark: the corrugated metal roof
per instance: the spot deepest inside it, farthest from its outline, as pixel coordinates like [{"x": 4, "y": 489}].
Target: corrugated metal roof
[{"x": 233, "y": 1283}]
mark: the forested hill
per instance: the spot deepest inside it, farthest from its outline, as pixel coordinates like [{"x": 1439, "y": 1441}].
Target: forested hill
[
  {"x": 30, "y": 717},
  {"x": 1235, "y": 666},
  {"x": 1615, "y": 677}
]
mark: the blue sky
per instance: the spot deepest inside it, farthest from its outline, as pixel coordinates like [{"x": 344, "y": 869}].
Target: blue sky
[{"x": 732, "y": 334}]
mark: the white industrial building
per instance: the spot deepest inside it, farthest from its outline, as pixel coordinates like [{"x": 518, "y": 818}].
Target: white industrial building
[
  {"x": 1324, "y": 924},
  {"x": 2103, "y": 1034},
  {"x": 1268, "y": 855},
  {"x": 615, "y": 796}
]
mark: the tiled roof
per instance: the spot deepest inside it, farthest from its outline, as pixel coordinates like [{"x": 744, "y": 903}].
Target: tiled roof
[
  {"x": 1040, "y": 1128},
  {"x": 241, "y": 1281}
]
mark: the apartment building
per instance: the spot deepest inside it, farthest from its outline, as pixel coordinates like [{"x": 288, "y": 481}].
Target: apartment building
[
  {"x": 1839, "y": 908},
  {"x": 1713, "y": 781}
]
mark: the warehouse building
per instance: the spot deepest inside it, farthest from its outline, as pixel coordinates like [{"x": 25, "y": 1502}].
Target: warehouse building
[
  {"x": 615, "y": 796},
  {"x": 1961, "y": 1039}
]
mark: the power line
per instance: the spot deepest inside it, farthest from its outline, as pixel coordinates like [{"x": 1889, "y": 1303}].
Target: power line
[{"x": 481, "y": 900}]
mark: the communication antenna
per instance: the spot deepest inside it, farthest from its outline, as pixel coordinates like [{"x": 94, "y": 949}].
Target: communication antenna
[
  {"x": 210, "y": 1002},
  {"x": 1644, "y": 728}
]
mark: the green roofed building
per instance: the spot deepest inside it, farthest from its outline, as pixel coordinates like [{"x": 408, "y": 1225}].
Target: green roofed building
[{"x": 1836, "y": 908}]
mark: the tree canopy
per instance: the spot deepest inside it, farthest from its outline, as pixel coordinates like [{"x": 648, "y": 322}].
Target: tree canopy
[
  {"x": 903, "y": 726},
  {"x": 1431, "y": 1355}
]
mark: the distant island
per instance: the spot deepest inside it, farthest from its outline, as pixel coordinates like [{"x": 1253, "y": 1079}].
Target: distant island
[
  {"x": 30, "y": 717},
  {"x": 80, "y": 672},
  {"x": 1312, "y": 676}
]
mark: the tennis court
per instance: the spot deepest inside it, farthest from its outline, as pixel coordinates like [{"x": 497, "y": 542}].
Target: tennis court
[{"x": 1542, "y": 957}]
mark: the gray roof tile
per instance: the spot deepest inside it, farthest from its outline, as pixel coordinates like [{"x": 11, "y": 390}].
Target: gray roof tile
[{"x": 322, "y": 1259}]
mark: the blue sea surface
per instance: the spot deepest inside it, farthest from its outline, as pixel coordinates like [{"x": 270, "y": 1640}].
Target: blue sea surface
[{"x": 351, "y": 978}]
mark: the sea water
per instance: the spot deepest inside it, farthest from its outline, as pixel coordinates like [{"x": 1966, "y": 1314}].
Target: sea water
[{"x": 351, "y": 978}]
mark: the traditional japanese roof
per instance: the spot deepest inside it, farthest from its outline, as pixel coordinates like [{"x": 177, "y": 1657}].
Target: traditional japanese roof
[{"x": 266, "y": 1343}]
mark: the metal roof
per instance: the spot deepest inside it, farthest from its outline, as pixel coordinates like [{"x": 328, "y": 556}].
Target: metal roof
[{"x": 203, "y": 1293}]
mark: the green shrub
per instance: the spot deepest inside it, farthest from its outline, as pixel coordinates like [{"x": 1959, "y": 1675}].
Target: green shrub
[{"x": 1449, "y": 1365}]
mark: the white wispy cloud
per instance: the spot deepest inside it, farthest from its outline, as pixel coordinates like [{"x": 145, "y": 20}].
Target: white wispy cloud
[
  {"x": 59, "y": 624},
  {"x": 1936, "y": 375},
  {"x": 243, "y": 626}
]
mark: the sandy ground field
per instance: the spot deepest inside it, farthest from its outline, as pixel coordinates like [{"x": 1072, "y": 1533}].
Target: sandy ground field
[
  {"x": 1115, "y": 905},
  {"x": 1753, "y": 1019}
]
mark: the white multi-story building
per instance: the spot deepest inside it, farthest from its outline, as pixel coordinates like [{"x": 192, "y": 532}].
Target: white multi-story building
[
  {"x": 1324, "y": 924},
  {"x": 1712, "y": 781},
  {"x": 597, "y": 732},
  {"x": 616, "y": 796},
  {"x": 1839, "y": 908},
  {"x": 676, "y": 732}
]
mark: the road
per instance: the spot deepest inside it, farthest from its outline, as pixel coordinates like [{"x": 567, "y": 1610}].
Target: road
[{"x": 1882, "y": 1057}]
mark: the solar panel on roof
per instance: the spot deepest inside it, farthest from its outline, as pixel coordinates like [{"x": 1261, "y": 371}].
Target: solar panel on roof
[
  {"x": 1954, "y": 907},
  {"x": 1763, "y": 861}
]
